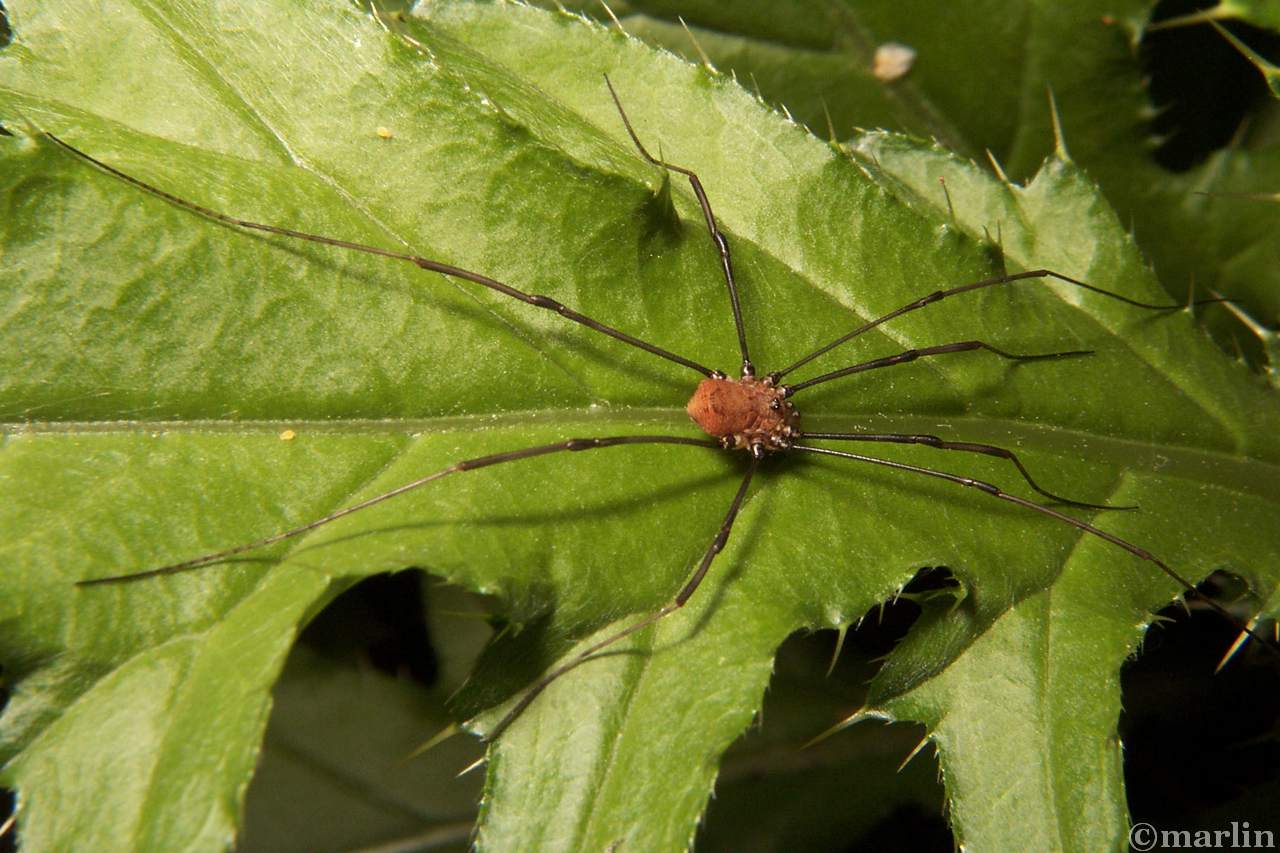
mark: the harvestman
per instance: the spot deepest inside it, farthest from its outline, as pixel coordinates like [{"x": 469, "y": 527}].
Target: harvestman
[{"x": 751, "y": 413}]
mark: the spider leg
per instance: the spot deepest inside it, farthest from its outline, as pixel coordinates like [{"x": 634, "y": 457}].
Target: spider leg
[
  {"x": 965, "y": 446},
  {"x": 923, "y": 352},
  {"x": 1041, "y": 275},
  {"x": 536, "y": 300},
  {"x": 717, "y": 236},
  {"x": 573, "y": 444},
  {"x": 682, "y": 598}
]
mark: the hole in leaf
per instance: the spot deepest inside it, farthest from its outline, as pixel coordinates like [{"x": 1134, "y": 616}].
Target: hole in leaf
[
  {"x": 773, "y": 794},
  {"x": 909, "y": 827},
  {"x": 6, "y": 31},
  {"x": 380, "y": 619},
  {"x": 1204, "y": 88},
  {"x": 348, "y": 710},
  {"x": 1201, "y": 750},
  {"x": 885, "y": 626},
  {"x": 844, "y": 793}
]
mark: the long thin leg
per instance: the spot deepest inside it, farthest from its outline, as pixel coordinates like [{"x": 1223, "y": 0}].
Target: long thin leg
[
  {"x": 939, "y": 295},
  {"x": 913, "y": 354},
  {"x": 682, "y": 598},
  {"x": 573, "y": 444},
  {"x": 717, "y": 237},
  {"x": 1086, "y": 527},
  {"x": 533, "y": 299},
  {"x": 965, "y": 446}
]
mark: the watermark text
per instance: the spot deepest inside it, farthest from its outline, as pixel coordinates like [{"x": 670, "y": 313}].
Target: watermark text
[{"x": 1237, "y": 835}]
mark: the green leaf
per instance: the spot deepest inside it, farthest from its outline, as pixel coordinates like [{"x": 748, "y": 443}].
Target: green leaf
[
  {"x": 173, "y": 386},
  {"x": 980, "y": 83}
]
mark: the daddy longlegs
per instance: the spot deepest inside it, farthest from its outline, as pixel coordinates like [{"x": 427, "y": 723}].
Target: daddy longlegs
[{"x": 753, "y": 413}]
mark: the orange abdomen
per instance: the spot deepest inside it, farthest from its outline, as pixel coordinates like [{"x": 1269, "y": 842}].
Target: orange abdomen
[{"x": 746, "y": 411}]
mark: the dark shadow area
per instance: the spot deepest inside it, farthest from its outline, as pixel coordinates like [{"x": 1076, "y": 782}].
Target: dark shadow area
[
  {"x": 884, "y": 627},
  {"x": 6, "y": 31},
  {"x": 1204, "y": 88},
  {"x": 379, "y": 621},
  {"x": 662, "y": 227},
  {"x": 1202, "y": 750},
  {"x": 6, "y": 38},
  {"x": 907, "y": 828}
]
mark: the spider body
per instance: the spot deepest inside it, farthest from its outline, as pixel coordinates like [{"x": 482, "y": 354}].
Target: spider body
[{"x": 745, "y": 414}]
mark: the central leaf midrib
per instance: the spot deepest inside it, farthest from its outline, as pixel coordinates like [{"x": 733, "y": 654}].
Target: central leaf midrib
[{"x": 1233, "y": 472}]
